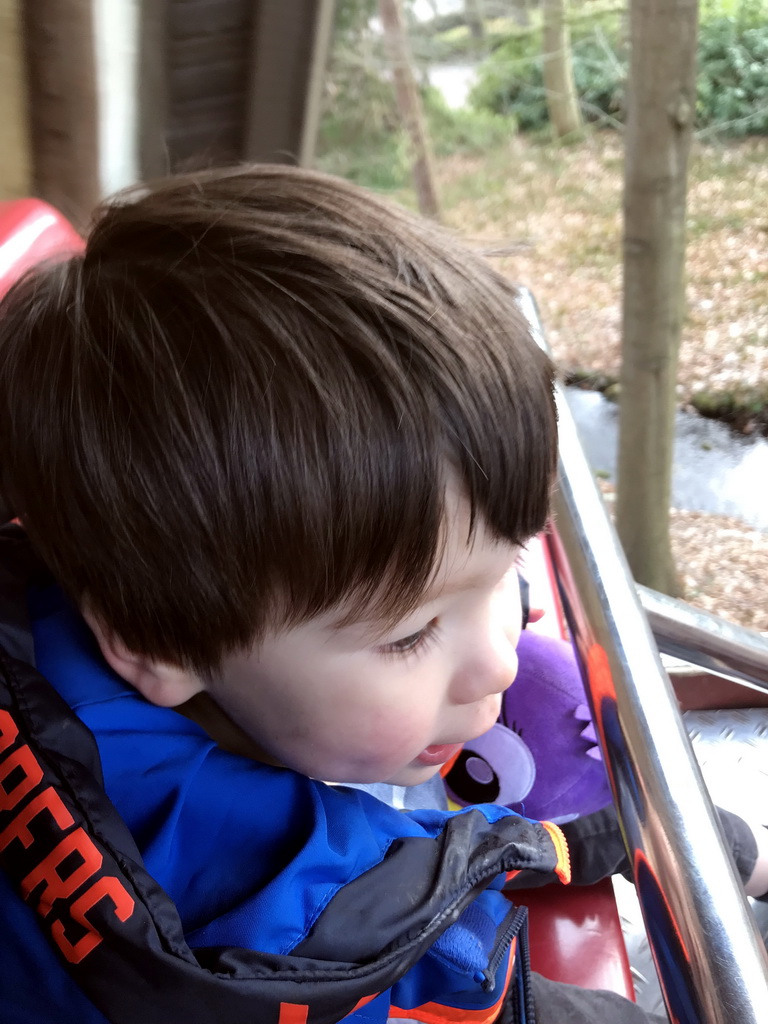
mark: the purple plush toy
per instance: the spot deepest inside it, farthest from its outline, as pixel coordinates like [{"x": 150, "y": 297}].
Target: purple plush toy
[{"x": 541, "y": 758}]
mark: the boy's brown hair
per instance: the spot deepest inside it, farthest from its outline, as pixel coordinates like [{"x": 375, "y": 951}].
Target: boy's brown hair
[{"x": 239, "y": 407}]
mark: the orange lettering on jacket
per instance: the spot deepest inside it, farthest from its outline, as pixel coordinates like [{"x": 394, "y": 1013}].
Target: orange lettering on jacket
[{"x": 67, "y": 877}]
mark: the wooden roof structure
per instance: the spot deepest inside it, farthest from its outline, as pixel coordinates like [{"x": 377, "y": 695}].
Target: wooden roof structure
[{"x": 217, "y": 82}]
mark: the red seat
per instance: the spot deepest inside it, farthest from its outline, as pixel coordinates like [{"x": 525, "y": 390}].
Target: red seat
[
  {"x": 576, "y": 936},
  {"x": 31, "y": 231}
]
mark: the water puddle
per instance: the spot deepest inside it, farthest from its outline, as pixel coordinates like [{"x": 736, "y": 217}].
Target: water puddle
[{"x": 715, "y": 470}]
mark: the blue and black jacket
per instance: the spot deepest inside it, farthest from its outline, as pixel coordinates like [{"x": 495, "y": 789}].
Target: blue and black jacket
[{"x": 149, "y": 877}]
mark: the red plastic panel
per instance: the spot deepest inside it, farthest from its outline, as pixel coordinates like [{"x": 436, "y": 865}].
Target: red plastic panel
[
  {"x": 536, "y": 567},
  {"x": 31, "y": 231},
  {"x": 576, "y": 936}
]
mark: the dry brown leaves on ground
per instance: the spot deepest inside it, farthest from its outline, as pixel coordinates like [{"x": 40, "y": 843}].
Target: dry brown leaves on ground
[
  {"x": 722, "y": 563},
  {"x": 557, "y": 212}
]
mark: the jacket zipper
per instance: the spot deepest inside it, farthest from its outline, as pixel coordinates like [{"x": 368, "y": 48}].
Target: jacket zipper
[
  {"x": 519, "y": 1008},
  {"x": 515, "y": 926}
]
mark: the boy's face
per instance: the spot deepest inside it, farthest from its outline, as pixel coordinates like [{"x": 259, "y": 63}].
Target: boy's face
[{"x": 346, "y": 704}]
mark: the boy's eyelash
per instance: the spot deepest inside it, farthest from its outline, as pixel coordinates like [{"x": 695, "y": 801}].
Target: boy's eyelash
[{"x": 416, "y": 643}]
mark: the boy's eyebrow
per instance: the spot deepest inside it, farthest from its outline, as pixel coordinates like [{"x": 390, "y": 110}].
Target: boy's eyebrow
[
  {"x": 375, "y": 628},
  {"x": 473, "y": 582}
]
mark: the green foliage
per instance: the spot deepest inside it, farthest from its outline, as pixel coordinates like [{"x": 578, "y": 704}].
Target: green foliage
[
  {"x": 351, "y": 18},
  {"x": 457, "y": 43},
  {"x": 462, "y": 131},
  {"x": 744, "y": 407},
  {"x": 360, "y": 135},
  {"x": 732, "y": 83},
  {"x": 511, "y": 80},
  {"x": 732, "y": 89},
  {"x": 746, "y": 12},
  {"x": 366, "y": 144}
]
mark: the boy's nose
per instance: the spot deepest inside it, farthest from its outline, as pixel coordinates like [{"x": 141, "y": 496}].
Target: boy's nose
[{"x": 490, "y": 670}]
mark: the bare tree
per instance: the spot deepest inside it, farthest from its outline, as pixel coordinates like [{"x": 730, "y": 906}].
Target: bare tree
[
  {"x": 662, "y": 98},
  {"x": 410, "y": 107},
  {"x": 562, "y": 101},
  {"x": 63, "y": 104}
]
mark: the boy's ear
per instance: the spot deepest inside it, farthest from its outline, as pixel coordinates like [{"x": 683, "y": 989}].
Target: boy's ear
[{"x": 161, "y": 683}]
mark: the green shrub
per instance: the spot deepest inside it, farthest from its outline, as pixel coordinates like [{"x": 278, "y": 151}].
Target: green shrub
[
  {"x": 359, "y": 136},
  {"x": 732, "y": 82},
  {"x": 463, "y": 130},
  {"x": 511, "y": 80}
]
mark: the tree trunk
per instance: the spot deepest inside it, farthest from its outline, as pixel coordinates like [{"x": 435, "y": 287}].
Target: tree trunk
[
  {"x": 662, "y": 99},
  {"x": 521, "y": 15},
  {"x": 410, "y": 108},
  {"x": 473, "y": 13},
  {"x": 63, "y": 104},
  {"x": 562, "y": 101}
]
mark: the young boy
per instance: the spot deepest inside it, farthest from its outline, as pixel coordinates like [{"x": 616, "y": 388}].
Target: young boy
[{"x": 278, "y": 443}]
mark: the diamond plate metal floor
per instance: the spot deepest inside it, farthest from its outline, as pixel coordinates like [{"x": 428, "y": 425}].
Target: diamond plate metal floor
[{"x": 732, "y": 750}]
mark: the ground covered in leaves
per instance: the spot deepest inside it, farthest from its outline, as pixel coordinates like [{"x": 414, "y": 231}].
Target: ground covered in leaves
[
  {"x": 722, "y": 564},
  {"x": 552, "y": 217}
]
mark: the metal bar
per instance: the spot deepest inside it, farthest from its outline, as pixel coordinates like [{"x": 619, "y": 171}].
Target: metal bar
[
  {"x": 706, "y": 640},
  {"x": 711, "y": 961}
]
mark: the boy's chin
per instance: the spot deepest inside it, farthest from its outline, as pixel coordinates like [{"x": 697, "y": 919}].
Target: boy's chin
[{"x": 414, "y": 775}]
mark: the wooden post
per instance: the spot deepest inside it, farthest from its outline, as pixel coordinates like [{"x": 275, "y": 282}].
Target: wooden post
[
  {"x": 409, "y": 107},
  {"x": 323, "y": 33},
  {"x": 290, "y": 47},
  {"x": 15, "y": 170},
  {"x": 154, "y": 158},
  {"x": 662, "y": 102},
  {"x": 63, "y": 104}
]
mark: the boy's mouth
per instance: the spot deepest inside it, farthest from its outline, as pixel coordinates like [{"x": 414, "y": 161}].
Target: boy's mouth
[{"x": 438, "y": 754}]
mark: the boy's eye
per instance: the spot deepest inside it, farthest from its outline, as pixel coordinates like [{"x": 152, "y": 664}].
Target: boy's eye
[
  {"x": 412, "y": 642},
  {"x": 407, "y": 643}
]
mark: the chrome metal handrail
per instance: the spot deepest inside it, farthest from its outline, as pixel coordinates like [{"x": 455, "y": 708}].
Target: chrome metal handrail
[
  {"x": 706, "y": 640},
  {"x": 710, "y": 958}
]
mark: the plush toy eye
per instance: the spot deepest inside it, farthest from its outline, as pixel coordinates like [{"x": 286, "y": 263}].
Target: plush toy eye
[
  {"x": 472, "y": 779},
  {"x": 496, "y": 768}
]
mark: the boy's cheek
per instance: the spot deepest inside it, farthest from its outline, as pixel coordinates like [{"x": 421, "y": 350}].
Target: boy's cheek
[{"x": 379, "y": 752}]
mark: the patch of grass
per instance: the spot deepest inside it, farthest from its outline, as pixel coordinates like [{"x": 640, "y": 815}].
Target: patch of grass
[
  {"x": 590, "y": 380},
  {"x": 706, "y": 222},
  {"x": 745, "y": 409}
]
